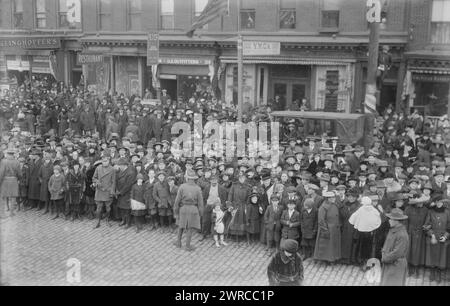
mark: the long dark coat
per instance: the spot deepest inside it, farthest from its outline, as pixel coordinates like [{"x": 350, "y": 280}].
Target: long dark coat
[
  {"x": 34, "y": 185},
  {"x": 393, "y": 257},
  {"x": 416, "y": 219},
  {"x": 347, "y": 230},
  {"x": 137, "y": 193},
  {"x": 45, "y": 173},
  {"x": 148, "y": 195},
  {"x": 438, "y": 222},
  {"x": 161, "y": 194},
  {"x": 189, "y": 206},
  {"x": 328, "y": 243},
  {"x": 105, "y": 180},
  {"x": 238, "y": 196},
  {"x": 253, "y": 218},
  {"x": 124, "y": 182},
  {"x": 75, "y": 182}
]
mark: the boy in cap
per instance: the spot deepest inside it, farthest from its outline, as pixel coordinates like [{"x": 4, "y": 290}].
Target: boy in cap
[
  {"x": 138, "y": 208},
  {"x": 272, "y": 220},
  {"x": 161, "y": 195},
  {"x": 57, "y": 186},
  {"x": 308, "y": 227},
  {"x": 286, "y": 267}
]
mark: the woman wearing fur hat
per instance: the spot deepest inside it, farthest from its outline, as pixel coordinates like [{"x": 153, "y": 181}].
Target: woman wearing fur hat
[
  {"x": 286, "y": 267},
  {"x": 138, "y": 207}
]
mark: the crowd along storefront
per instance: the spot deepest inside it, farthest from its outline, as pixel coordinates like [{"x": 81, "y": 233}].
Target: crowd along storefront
[{"x": 428, "y": 75}]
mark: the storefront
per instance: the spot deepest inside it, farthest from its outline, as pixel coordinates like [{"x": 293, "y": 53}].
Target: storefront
[
  {"x": 429, "y": 84},
  {"x": 317, "y": 84}
]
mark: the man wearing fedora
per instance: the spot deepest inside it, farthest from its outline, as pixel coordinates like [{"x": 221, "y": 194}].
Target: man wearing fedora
[
  {"x": 104, "y": 180},
  {"x": 188, "y": 207},
  {"x": 395, "y": 251}
]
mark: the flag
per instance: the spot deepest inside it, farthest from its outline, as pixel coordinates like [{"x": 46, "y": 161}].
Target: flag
[
  {"x": 53, "y": 65},
  {"x": 73, "y": 11},
  {"x": 407, "y": 81},
  {"x": 213, "y": 9}
]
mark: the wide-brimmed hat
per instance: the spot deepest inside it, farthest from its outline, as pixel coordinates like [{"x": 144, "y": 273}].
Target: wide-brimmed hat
[{"x": 396, "y": 214}]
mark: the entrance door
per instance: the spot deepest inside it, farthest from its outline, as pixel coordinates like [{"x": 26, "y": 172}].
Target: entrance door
[
  {"x": 289, "y": 91},
  {"x": 171, "y": 86}
]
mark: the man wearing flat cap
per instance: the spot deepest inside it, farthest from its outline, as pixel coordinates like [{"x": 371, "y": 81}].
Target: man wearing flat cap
[
  {"x": 286, "y": 267},
  {"x": 395, "y": 251}
]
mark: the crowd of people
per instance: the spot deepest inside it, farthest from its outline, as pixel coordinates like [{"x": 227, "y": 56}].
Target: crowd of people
[{"x": 74, "y": 154}]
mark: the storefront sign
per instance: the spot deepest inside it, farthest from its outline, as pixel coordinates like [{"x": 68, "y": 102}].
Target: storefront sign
[
  {"x": 152, "y": 49},
  {"x": 261, "y": 48},
  {"x": 431, "y": 78},
  {"x": 93, "y": 58},
  {"x": 184, "y": 61},
  {"x": 18, "y": 65},
  {"x": 30, "y": 43}
]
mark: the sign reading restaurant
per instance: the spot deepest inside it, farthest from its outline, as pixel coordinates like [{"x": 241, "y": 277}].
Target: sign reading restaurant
[
  {"x": 30, "y": 43},
  {"x": 93, "y": 58}
]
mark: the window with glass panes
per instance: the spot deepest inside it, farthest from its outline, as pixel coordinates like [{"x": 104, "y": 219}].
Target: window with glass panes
[
  {"x": 134, "y": 14},
  {"x": 18, "y": 13},
  {"x": 248, "y": 14},
  {"x": 440, "y": 22},
  {"x": 105, "y": 15},
  {"x": 167, "y": 14},
  {"x": 330, "y": 14},
  {"x": 41, "y": 21},
  {"x": 199, "y": 7},
  {"x": 69, "y": 14},
  {"x": 287, "y": 14}
]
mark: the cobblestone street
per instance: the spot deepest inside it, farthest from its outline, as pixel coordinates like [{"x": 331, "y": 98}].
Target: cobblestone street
[{"x": 35, "y": 250}]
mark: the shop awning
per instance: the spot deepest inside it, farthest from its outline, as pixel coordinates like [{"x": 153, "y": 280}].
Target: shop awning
[{"x": 280, "y": 60}]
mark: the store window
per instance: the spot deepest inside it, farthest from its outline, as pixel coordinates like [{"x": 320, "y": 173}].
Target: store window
[
  {"x": 287, "y": 14},
  {"x": 167, "y": 14},
  {"x": 105, "y": 15},
  {"x": 18, "y": 13},
  {"x": 330, "y": 14},
  {"x": 134, "y": 15},
  {"x": 41, "y": 20},
  {"x": 199, "y": 7},
  {"x": 440, "y": 22},
  {"x": 69, "y": 14}
]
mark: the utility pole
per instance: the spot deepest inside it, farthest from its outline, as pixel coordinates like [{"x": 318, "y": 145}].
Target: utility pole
[
  {"x": 370, "y": 101},
  {"x": 240, "y": 56}
]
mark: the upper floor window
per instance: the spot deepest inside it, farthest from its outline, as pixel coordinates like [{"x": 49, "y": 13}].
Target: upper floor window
[
  {"x": 18, "y": 13},
  {"x": 440, "y": 22},
  {"x": 199, "y": 7},
  {"x": 105, "y": 15},
  {"x": 69, "y": 14},
  {"x": 167, "y": 14},
  {"x": 330, "y": 14},
  {"x": 248, "y": 18},
  {"x": 287, "y": 14},
  {"x": 41, "y": 20},
  {"x": 134, "y": 14}
]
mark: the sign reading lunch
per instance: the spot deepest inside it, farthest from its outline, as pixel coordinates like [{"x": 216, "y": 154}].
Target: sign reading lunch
[
  {"x": 30, "y": 43},
  {"x": 261, "y": 48}
]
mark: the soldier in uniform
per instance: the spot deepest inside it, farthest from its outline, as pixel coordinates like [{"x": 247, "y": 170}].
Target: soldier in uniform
[{"x": 104, "y": 180}]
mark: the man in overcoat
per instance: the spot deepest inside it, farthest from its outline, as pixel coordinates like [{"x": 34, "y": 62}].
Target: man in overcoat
[
  {"x": 34, "y": 185},
  {"x": 104, "y": 180},
  {"x": 395, "y": 251},
  {"x": 125, "y": 179},
  {"x": 189, "y": 206}
]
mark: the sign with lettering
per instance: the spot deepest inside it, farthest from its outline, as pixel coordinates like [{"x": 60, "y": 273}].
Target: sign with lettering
[
  {"x": 152, "y": 49},
  {"x": 92, "y": 58},
  {"x": 261, "y": 48},
  {"x": 184, "y": 61},
  {"x": 30, "y": 43},
  {"x": 431, "y": 78},
  {"x": 151, "y": 102}
]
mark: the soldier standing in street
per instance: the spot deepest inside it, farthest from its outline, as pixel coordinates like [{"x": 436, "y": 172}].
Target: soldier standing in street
[
  {"x": 189, "y": 206},
  {"x": 104, "y": 180}
]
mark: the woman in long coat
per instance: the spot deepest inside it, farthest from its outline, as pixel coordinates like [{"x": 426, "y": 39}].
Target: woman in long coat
[
  {"x": 252, "y": 215},
  {"x": 34, "y": 185},
  {"x": 238, "y": 197},
  {"x": 45, "y": 173},
  {"x": 417, "y": 215},
  {"x": 347, "y": 208},
  {"x": 328, "y": 243},
  {"x": 75, "y": 182},
  {"x": 437, "y": 225}
]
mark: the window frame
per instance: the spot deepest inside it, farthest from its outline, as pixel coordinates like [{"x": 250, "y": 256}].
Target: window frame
[
  {"x": 328, "y": 28},
  {"x": 279, "y": 18},
  {"x": 104, "y": 14},
  {"x": 241, "y": 11},
  {"x": 60, "y": 13},
  {"x": 433, "y": 23},
  {"x": 15, "y": 13},
  {"x": 132, "y": 14},
  {"x": 162, "y": 15},
  {"x": 38, "y": 15}
]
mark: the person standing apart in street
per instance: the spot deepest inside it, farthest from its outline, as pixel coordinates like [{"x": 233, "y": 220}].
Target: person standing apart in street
[
  {"x": 57, "y": 186},
  {"x": 286, "y": 267},
  {"x": 395, "y": 251},
  {"x": 104, "y": 180},
  {"x": 9, "y": 178},
  {"x": 125, "y": 179},
  {"x": 189, "y": 206}
]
